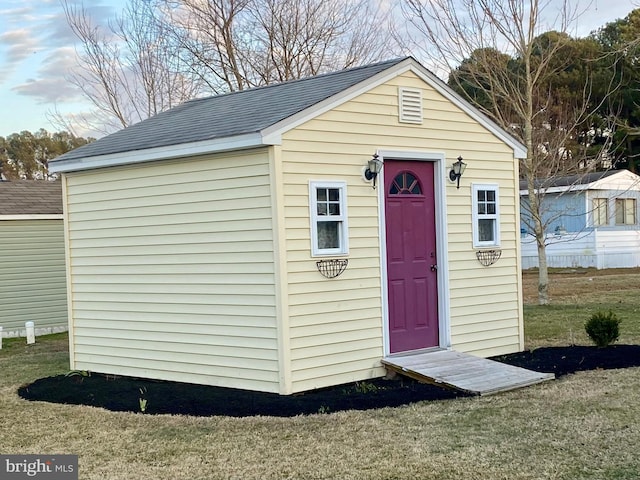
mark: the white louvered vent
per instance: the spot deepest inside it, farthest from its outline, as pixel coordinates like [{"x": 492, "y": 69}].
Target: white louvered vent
[{"x": 410, "y": 105}]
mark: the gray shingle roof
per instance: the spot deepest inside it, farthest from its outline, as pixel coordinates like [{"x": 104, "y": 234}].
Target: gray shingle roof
[
  {"x": 237, "y": 113},
  {"x": 30, "y": 197},
  {"x": 570, "y": 180}
]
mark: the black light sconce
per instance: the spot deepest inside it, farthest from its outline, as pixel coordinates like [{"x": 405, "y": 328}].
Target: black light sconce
[
  {"x": 374, "y": 166},
  {"x": 457, "y": 169}
]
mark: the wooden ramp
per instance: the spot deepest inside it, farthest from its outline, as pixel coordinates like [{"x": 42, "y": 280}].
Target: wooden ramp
[{"x": 461, "y": 371}]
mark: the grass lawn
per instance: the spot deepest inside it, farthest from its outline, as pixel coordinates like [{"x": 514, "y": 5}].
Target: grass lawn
[
  {"x": 575, "y": 296},
  {"x": 583, "y": 426}
]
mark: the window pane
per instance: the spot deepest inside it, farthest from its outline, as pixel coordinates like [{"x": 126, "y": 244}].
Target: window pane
[
  {"x": 491, "y": 196},
  {"x": 619, "y": 212},
  {"x": 322, "y": 194},
  {"x": 329, "y": 235},
  {"x": 482, "y": 209},
  {"x": 334, "y": 194},
  {"x": 486, "y": 230},
  {"x": 482, "y": 195},
  {"x": 491, "y": 208},
  {"x": 630, "y": 215},
  {"x": 334, "y": 209},
  {"x": 405, "y": 184},
  {"x": 600, "y": 211},
  {"x": 322, "y": 208}
]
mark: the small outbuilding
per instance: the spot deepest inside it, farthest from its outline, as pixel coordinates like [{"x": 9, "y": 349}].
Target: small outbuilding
[
  {"x": 32, "y": 264},
  {"x": 245, "y": 240}
]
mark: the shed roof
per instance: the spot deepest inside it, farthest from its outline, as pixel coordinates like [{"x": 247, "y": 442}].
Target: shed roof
[
  {"x": 247, "y": 118},
  {"x": 30, "y": 197},
  {"x": 610, "y": 179},
  {"x": 231, "y": 114}
]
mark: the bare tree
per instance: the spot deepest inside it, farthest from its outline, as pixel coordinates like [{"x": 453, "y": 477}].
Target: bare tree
[
  {"x": 128, "y": 70},
  {"x": 159, "y": 53},
  {"x": 500, "y": 60},
  {"x": 212, "y": 38},
  {"x": 238, "y": 44}
]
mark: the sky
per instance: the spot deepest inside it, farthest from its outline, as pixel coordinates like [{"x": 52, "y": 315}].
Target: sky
[{"x": 37, "y": 50}]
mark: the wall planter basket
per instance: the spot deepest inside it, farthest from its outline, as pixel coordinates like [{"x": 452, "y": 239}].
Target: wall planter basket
[
  {"x": 332, "y": 268},
  {"x": 488, "y": 257}
]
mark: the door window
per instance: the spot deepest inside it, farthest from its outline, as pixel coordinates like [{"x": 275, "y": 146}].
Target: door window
[{"x": 405, "y": 183}]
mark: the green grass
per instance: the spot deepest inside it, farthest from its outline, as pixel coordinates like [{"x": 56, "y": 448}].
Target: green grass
[
  {"x": 584, "y": 426},
  {"x": 574, "y": 299}
]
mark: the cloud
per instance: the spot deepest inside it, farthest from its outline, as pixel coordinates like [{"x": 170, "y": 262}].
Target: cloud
[
  {"x": 20, "y": 44},
  {"x": 58, "y": 30},
  {"x": 30, "y": 26},
  {"x": 18, "y": 37},
  {"x": 33, "y": 31},
  {"x": 50, "y": 84}
]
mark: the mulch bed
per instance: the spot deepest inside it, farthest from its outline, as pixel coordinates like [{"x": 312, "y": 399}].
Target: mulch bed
[{"x": 124, "y": 393}]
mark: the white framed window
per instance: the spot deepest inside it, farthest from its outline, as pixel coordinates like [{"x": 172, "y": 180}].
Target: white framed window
[
  {"x": 600, "y": 212},
  {"x": 485, "y": 215},
  {"x": 328, "y": 208},
  {"x": 625, "y": 211}
]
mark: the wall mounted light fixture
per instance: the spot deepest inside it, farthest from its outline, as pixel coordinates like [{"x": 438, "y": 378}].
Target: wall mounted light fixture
[
  {"x": 457, "y": 169},
  {"x": 374, "y": 166}
]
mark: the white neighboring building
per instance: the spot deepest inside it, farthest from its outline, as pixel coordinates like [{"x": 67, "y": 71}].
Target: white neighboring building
[{"x": 592, "y": 221}]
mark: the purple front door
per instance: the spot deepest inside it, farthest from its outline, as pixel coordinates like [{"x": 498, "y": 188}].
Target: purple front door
[{"x": 412, "y": 280}]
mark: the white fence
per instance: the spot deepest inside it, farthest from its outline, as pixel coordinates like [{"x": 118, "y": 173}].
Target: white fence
[{"x": 597, "y": 248}]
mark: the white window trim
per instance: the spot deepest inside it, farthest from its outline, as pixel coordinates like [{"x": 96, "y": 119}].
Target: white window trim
[
  {"x": 476, "y": 216},
  {"x": 343, "y": 217}
]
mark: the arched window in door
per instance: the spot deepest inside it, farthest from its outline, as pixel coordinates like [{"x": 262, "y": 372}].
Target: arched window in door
[{"x": 405, "y": 183}]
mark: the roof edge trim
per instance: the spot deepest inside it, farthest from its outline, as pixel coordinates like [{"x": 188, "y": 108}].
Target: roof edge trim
[
  {"x": 238, "y": 142},
  {"x": 339, "y": 98},
  {"x": 404, "y": 65},
  {"x": 519, "y": 150},
  {"x": 567, "y": 188},
  {"x": 32, "y": 216}
]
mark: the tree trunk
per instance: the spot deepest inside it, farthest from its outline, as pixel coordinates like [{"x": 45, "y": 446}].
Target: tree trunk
[
  {"x": 534, "y": 197},
  {"x": 543, "y": 271}
]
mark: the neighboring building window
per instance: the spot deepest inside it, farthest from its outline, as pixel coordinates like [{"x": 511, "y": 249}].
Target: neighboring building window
[
  {"x": 600, "y": 212},
  {"x": 486, "y": 216},
  {"x": 625, "y": 211},
  {"x": 328, "y": 205}
]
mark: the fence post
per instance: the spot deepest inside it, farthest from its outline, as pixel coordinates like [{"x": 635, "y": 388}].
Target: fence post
[{"x": 31, "y": 333}]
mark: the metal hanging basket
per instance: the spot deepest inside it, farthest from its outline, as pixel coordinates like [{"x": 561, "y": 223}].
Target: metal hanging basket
[
  {"x": 488, "y": 257},
  {"x": 332, "y": 268}
]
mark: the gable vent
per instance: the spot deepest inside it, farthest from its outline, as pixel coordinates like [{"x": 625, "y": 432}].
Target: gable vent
[{"x": 410, "y": 105}]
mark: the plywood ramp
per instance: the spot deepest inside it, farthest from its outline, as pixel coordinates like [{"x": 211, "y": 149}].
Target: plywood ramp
[{"x": 475, "y": 375}]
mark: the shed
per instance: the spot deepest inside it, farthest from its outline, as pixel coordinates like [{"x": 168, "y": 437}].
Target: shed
[
  {"x": 592, "y": 221},
  {"x": 237, "y": 240},
  {"x": 32, "y": 263}
]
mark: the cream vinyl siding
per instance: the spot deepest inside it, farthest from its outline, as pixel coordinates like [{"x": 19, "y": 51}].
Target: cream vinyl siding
[
  {"x": 32, "y": 276},
  {"x": 336, "y": 332},
  {"x": 172, "y": 268}
]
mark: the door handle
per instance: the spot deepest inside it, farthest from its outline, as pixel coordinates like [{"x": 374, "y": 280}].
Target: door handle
[{"x": 434, "y": 268}]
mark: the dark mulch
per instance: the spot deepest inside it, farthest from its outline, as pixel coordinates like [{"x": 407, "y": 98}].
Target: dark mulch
[
  {"x": 566, "y": 360},
  {"x": 124, "y": 393}
]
